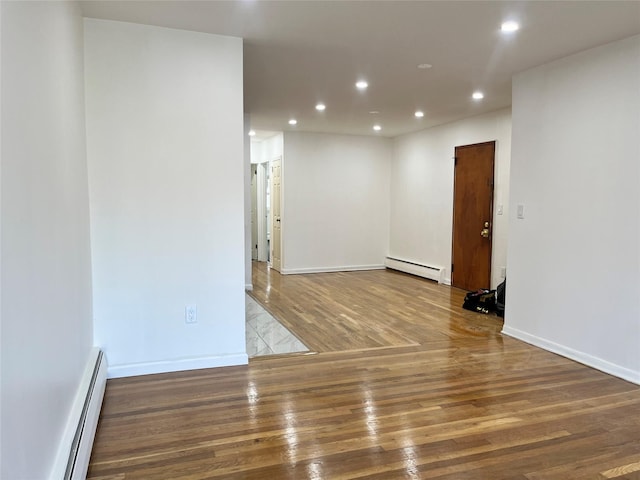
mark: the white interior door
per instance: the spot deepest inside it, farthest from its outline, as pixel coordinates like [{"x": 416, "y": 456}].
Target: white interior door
[
  {"x": 254, "y": 212},
  {"x": 276, "y": 221},
  {"x": 263, "y": 212}
]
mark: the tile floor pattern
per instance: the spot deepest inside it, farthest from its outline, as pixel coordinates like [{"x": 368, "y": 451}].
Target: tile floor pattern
[{"x": 265, "y": 335}]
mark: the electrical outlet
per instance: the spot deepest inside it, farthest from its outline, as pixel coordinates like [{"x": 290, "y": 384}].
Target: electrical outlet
[{"x": 190, "y": 314}]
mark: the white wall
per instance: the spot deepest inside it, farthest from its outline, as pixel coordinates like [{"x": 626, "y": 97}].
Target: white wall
[
  {"x": 574, "y": 260},
  {"x": 166, "y": 183},
  {"x": 335, "y": 202},
  {"x": 45, "y": 257},
  {"x": 422, "y": 175}
]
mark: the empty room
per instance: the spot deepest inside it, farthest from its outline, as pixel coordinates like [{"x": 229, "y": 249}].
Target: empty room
[{"x": 237, "y": 236}]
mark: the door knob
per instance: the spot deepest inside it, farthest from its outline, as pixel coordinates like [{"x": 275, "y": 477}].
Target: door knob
[{"x": 485, "y": 231}]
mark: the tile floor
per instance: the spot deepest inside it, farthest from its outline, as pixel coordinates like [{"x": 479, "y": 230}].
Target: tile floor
[{"x": 265, "y": 335}]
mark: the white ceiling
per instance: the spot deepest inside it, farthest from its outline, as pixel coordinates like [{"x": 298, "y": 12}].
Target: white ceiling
[{"x": 297, "y": 53}]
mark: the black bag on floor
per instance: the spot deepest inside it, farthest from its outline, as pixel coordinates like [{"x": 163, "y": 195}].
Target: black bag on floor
[
  {"x": 483, "y": 301},
  {"x": 500, "y": 296}
]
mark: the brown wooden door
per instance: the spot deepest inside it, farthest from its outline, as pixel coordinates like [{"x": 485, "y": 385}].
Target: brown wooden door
[{"x": 472, "y": 216}]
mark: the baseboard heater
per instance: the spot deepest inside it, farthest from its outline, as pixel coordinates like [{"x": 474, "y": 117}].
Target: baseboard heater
[
  {"x": 421, "y": 270},
  {"x": 87, "y": 412}
]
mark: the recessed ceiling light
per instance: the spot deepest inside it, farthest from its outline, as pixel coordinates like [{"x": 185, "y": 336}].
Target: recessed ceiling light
[
  {"x": 252, "y": 133},
  {"x": 377, "y": 128},
  {"x": 293, "y": 121},
  {"x": 361, "y": 85},
  {"x": 509, "y": 27},
  {"x": 374, "y": 112},
  {"x": 477, "y": 95},
  {"x": 320, "y": 107},
  {"x": 419, "y": 114},
  {"x": 424, "y": 66}
]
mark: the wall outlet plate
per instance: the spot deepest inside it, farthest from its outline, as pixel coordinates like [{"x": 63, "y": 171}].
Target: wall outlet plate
[{"x": 190, "y": 314}]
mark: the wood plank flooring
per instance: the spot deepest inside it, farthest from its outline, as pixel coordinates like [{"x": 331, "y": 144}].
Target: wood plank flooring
[
  {"x": 405, "y": 385},
  {"x": 368, "y": 309}
]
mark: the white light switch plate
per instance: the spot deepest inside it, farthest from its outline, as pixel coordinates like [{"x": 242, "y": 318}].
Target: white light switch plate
[{"x": 520, "y": 211}]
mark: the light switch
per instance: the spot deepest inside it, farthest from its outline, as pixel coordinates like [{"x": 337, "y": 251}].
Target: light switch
[
  {"x": 500, "y": 209},
  {"x": 520, "y": 211}
]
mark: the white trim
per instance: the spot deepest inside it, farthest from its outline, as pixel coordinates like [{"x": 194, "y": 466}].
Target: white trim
[
  {"x": 347, "y": 268},
  {"x": 248, "y": 287},
  {"x": 86, "y": 426},
  {"x": 581, "y": 357},
  {"x": 177, "y": 365}
]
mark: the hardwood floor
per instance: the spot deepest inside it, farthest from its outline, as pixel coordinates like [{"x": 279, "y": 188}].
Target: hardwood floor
[
  {"x": 405, "y": 384},
  {"x": 368, "y": 309}
]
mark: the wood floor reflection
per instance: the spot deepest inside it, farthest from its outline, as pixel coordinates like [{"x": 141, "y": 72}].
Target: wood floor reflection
[{"x": 404, "y": 384}]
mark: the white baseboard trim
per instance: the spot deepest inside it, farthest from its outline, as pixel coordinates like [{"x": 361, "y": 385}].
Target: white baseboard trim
[
  {"x": 346, "y": 268},
  {"x": 581, "y": 357},
  {"x": 177, "y": 365},
  {"x": 74, "y": 452}
]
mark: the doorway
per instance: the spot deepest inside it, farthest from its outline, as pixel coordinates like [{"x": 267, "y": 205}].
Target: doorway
[
  {"x": 473, "y": 216},
  {"x": 260, "y": 211}
]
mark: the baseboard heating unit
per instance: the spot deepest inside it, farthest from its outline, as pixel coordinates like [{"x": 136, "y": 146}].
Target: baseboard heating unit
[
  {"x": 421, "y": 270},
  {"x": 73, "y": 457}
]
